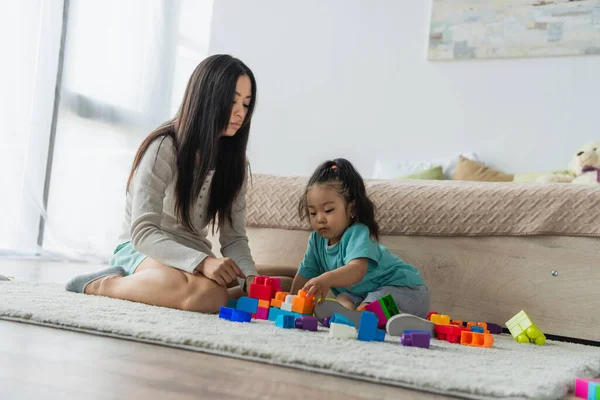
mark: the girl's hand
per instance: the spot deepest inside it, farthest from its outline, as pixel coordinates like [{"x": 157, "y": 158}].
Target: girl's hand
[
  {"x": 318, "y": 286},
  {"x": 220, "y": 270}
]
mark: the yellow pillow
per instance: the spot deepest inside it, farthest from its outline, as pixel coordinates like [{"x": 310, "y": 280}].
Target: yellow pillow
[
  {"x": 469, "y": 170},
  {"x": 435, "y": 173}
]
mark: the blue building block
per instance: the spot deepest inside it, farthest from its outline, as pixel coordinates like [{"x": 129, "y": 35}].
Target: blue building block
[
  {"x": 380, "y": 335},
  {"x": 367, "y": 329},
  {"x": 234, "y": 315},
  {"x": 340, "y": 319},
  {"x": 285, "y": 322},
  {"x": 241, "y": 316},
  {"x": 478, "y": 329},
  {"x": 247, "y": 304},
  {"x": 232, "y": 303},
  {"x": 225, "y": 313},
  {"x": 274, "y": 312}
]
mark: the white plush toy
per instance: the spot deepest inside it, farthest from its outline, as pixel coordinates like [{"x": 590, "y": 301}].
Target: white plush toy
[{"x": 585, "y": 167}]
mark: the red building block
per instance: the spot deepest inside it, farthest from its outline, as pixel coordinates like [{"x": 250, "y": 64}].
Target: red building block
[
  {"x": 449, "y": 333},
  {"x": 302, "y": 304},
  {"x": 262, "y": 288}
]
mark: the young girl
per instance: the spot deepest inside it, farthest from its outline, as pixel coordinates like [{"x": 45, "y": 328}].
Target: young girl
[
  {"x": 343, "y": 251},
  {"x": 187, "y": 174}
]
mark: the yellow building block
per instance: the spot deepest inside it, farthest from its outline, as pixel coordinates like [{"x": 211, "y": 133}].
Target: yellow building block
[
  {"x": 523, "y": 329},
  {"x": 440, "y": 319}
]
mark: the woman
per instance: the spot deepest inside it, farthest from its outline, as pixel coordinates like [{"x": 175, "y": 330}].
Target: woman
[{"x": 187, "y": 174}]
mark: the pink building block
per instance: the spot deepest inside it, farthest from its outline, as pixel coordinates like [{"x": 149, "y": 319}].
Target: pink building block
[
  {"x": 581, "y": 386},
  {"x": 262, "y": 313},
  {"x": 375, "y": 307},
  {"x": 276, "y": 286}
]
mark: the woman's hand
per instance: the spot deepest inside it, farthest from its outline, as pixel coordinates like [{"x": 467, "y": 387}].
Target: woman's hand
[
  {"x": 220, "y": 270},
  {"x": 318, "y": 286}
]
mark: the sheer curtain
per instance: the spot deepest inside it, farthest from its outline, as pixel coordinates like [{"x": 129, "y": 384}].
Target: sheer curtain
[{"x": 123, "y": 73}]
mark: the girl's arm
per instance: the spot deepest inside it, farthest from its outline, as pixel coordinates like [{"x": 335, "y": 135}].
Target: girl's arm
[
  {"x": 348, "y": 275},
  {"x": 298, "y": 283}
]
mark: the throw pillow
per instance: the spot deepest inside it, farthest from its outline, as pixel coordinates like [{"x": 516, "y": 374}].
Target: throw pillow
[{"x": 469, "y": 170}]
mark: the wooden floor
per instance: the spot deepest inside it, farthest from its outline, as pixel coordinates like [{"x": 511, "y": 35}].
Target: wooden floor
[{"x": 39, "y": 362}]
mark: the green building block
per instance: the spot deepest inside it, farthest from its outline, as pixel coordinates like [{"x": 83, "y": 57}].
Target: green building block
[
  {"x": 523, "y": 329},
  {"x": 388, "y": 306}
]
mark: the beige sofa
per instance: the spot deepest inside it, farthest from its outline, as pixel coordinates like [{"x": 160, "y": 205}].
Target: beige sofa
[{"x": 486, "y": 250}]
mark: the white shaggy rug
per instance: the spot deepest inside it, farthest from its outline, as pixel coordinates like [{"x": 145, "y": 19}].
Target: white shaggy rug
[{"x": 508, "y": 370}]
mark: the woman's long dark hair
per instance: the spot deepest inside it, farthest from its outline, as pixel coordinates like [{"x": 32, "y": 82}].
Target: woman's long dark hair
[
  {"x": 341, "y": 174},
  {"x": 204, "y": 114}
]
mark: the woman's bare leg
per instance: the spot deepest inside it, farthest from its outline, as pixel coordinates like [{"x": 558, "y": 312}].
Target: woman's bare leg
[{"x": 159, "y": 285}]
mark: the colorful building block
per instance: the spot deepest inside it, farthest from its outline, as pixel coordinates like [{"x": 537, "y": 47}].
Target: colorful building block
[
  {"x": 340, "y": 319},
  {"x": 285, "y": 322},
  {"x": 429, "y": 314},
  {"x": 367, "y": 329},
  {"x": 342, "y": 331},
  {"x": 416, "y": 330},
  {"x": 582, "y": 386},
  {"x": 303, "y": 304},
  {"x": 262, "y": 288},
  {"x": 449, "y": 333},
  {"x": 326, "y": 322},
  {"x": 494, "y": 329},
  {"x": 247, "y": 304},
  {"x": 307, "y": 323},
  {"x": 278, "y": 299},
  {"x": 231, "y": 303},
  {"x": 275, "y": 286},
  {"x": 523, "y": 329},
  {"x": 477, "y": 329},
  {"x": 440, "y": 319},
  {"x": 275, "y": 312},
  {"x": 593, "y": 391},
  {"x": 456, "y": 322},
  {"x": 476, "y": 339},
  {"x": 416, "y": 339},
  {"x": 288, "y": 303},
  {"x": 384, "y": 308},
  {"x": 234, "y": 315},
  {"x": 262, "y": 313}
]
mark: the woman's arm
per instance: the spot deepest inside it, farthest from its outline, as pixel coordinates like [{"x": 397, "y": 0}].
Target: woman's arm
[{"x": 234, "y": 240}]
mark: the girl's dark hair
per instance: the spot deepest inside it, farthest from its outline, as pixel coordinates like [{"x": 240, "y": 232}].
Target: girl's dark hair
[
  {"x": 202, "y": 116},
  {"x": 341, "y": 174}
]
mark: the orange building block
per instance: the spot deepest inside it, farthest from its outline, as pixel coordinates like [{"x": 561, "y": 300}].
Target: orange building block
[
  {"x": 440, "y": 319},
  {"x": 279, "y": 298},
  {"x": 456, "y": 322},
  {"x": 264, "y": 304},
  {"x": 480, "y": 324},
  {"x": 303, "y": 304},
  {"x": 476, "y": 339}
]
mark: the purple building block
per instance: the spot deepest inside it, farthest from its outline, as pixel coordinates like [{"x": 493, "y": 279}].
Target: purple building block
[
  {"x": 326, "y": 322},
  {"x": 494, "y": 329},
  {"x": 307, "y": 323},
  {"x": 416, "y": 339}
]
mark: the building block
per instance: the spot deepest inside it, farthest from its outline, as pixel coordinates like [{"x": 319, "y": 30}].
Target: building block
[
  {"x": 342, "y": 331},
  {"x": 449, "y": 333},
  {"x": 582, "y": 386},
  {"x": 429, "y": 314},
  {"x": 303, "y": 304},
  {"x": 262, "y": 313},
  {"x": 523, "y": 329},
  {"x": 494, "y": 328},
  {"x": 288, "y": 303},
  {"x": 416, "y": 339},
  {"x": 380, "y": 335},
  {"x": 285, "y": 322},
  {"x": 593, "y": 391},
  {"x": 307, "y": 323},
  {"x": 275, "y": 286},
  {"x": 477, "y": 329},
  {"x": 385, "y": 308},
  {"x": 456, "y": 322},
  {"x": 231, "y": 303},
  {"x": 376, "y": 308},
  {"x": 440, "y": 319},
  {"x": 247, "y": 304},
  {"x": 275, "y": 312},
  {"x": 326, "y": 322},
  {"x": 417, "y": 330},
  {"x": 367, "y": 329},
  {"x": 278, "y": 299},
  {"x": 261, "y": 288},
  {"x": 231, "y": 314},
  {"x": 340, "y": 319},
  {"x": 263, "y": 304},
  {"x": 475, "y": 339}
]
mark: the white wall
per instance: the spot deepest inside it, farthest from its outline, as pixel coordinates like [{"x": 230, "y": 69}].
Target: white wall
[{"x": 351, "y": 78}]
